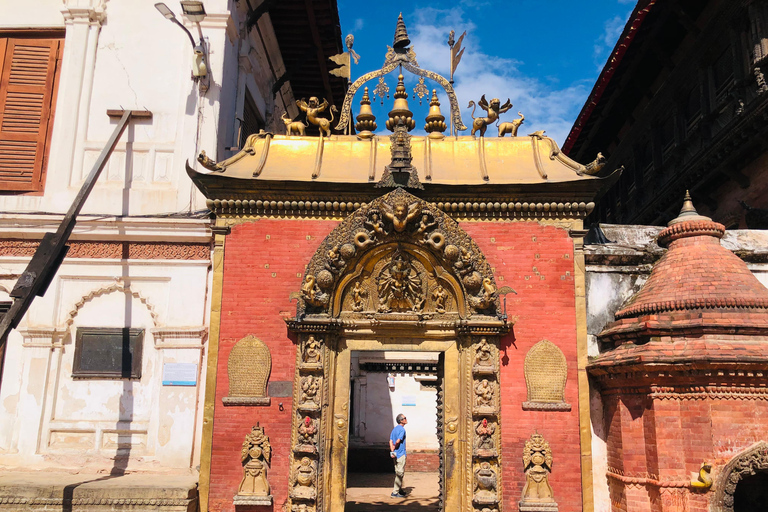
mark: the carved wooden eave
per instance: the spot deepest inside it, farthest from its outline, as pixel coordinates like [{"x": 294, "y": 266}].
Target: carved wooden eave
[{"x": 519, "y": 177}]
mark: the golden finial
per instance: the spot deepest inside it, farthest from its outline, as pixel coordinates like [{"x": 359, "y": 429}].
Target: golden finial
[
  {"x": 400, "y": 109},
  {"x": 401, "y": 34},
  {"x": 687, "y": 212},
  {"x": 366, "y": 121},
  {"x": 435, "y": 119}
]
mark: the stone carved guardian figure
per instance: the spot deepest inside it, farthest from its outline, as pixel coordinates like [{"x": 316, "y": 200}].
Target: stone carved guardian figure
[
  {"x": 313, "y": 108},
  {"x": 255, "y": 457},
  {"x": 537, "y": 463},
  {"x": 484, "y": 356}
]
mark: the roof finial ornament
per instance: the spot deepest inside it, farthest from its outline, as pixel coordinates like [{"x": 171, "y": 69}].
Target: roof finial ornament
[
  {"x": 435, "y": 119},
  {"x": 401, "y": 34},
  {"x": 400, "y": 172},
  {"x": 366, "y": 121},
  {"x": 687, "y": 212}
]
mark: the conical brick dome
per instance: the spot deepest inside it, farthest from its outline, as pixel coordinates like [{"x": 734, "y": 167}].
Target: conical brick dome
[{"x": 696, "y": 272}]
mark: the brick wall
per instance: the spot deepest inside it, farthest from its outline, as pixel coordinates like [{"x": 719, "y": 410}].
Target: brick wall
[
  {"x": 535, "y": 260},
  {"x": 263, "y": 263}
]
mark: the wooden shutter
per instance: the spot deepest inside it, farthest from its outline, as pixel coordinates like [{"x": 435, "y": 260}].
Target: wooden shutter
[{"x": 27, "y": 87}]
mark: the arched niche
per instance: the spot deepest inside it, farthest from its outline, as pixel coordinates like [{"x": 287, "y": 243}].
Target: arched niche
[
  {"x": 746, "y": 464},
  {"x": 399, "y": 222}
]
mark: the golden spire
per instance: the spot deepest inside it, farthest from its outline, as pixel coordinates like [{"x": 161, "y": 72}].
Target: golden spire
[
  {"x": 401, "y": 34},
  {"x": 400, "y": 109},
  {"x": 435, "y": 119},
  {"x": 366, "y": 121}
]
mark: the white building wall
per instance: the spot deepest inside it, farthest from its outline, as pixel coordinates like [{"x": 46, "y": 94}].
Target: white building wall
[{"x": 123, "y": 54}]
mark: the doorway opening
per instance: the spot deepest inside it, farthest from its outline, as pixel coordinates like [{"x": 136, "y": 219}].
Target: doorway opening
[
  {"x": 384, "y": 384},
  {"x": 751, "y": 493}
]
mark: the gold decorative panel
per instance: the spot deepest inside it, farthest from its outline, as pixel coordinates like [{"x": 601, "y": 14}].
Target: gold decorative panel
[
  {"x": 546, "y": 372},
  {"x": 248, "y": 368}
]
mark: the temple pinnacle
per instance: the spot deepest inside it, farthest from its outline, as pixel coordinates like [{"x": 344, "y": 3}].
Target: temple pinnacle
[
  {"x": 687, "y": 212},
  {"x": 401, "y": 34}
]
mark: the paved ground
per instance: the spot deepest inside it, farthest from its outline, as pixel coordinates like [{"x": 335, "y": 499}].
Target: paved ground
[{"x": 369, "y": 492}]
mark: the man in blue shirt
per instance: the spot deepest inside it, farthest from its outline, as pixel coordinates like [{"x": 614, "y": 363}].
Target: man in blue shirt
[{"x": 397, "y": 452}]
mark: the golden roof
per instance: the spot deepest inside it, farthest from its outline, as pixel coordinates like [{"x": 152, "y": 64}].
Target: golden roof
[{"x": 497, "y": 165}]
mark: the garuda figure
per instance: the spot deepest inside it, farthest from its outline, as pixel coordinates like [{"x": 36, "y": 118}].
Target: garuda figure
[
  {"x": 494, "y": 109},
  {"x": 313, "y": 108}
]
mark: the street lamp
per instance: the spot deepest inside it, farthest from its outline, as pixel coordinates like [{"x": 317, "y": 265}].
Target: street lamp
[{"x": 195, "y": 12}]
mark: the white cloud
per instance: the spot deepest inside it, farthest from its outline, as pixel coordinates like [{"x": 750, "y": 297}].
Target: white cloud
[
  {"x": 359, "y": 24},
  {"x": 545, "y": 106},
  {"x": 612, "y": 29}
]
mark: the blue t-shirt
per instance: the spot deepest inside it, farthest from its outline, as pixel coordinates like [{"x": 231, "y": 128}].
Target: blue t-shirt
[{"x": 398, "y": 433}]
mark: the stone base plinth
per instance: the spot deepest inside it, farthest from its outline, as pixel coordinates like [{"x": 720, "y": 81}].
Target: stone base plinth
[
  {"x": 246, "y": 500},
  {"x": 532, "y": 506}
]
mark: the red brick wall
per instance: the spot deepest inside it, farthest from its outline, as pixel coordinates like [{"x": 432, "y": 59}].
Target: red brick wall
[
  {"x": 535, "y": 260},
  {"x": 254, "y": 301}
]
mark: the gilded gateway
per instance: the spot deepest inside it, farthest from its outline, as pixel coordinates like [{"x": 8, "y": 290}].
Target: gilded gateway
[{"x": 400, "y": 244}]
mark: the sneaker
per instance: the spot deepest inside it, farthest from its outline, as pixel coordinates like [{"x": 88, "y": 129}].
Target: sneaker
[{"x": 396, "y": 494}]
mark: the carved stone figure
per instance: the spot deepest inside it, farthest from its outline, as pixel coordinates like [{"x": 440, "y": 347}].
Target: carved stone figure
[
  {"x": 306, "y": 441},
  {"x": 485, "y": 485},
  {"x": 255, "y": 457},
  {"x": 292, "y": 126},
  {"x": 401, "y": 213},
  {"x": 399, "y": 286},
  {"x": 512, "y": 126},
  {"x": 305, "y": 479},
  {"x": 494, "y": 109},
  {"x": 313, "y": 108},
  {"x": 312, "y": 351},
  {"x": 483, "y": 357},
  {"x": 484, "y": 394},
  {"x": 310, "y": 385},
  {"x": 537, "y": 463},
  {"x": 358, "y": 297},
  {"x": 464, "y": 263},
  {"x": 439, "y": 296},
  {"x": 484, "y": 443}
]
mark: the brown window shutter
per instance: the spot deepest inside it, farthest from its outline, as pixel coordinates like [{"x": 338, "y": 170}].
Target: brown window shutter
[{"x": 27, "y": 90}]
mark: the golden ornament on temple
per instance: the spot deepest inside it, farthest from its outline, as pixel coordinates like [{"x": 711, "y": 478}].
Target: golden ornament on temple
[
  {"x": 435, "y": 119},
  {"x": 401, "y": 34},
  {"x": 366, "y": 121},
  {"x": 400, "y": 111}
]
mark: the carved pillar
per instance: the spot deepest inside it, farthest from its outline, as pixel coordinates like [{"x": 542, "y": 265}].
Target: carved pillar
[{"x": 758, "y": 24}]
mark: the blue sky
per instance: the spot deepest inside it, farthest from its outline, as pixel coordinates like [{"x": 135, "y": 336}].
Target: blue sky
[{"x": 543, "y": 55}]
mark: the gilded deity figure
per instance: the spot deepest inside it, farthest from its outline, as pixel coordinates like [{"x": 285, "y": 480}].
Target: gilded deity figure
[
  {"x": 358, "y": 297},
  {"x": 310, "y": 385},
  {"x": 485, "y": 484},
  {"x": 376, "y": 224},
  {"x": 484, "y": 354},
  {"x": 255, "y": 457},
  {"x": 484, "y": 441},
  {"x": 307, "y": 430},
  {"x": 439, "y": 297},
  {"x": 305, "y": 479},
  {"x": 401, "y": 213},
  {"x": 537, "y": 461},
  {"x": 399, "y": 286},
  {"x": 484, "y": 394},
  {"x": 312, "y": 351}
]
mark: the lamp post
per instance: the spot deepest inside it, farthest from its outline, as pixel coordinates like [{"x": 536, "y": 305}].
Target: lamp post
[{"x": 195, "y": 12}]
